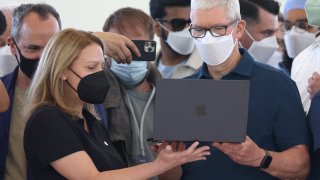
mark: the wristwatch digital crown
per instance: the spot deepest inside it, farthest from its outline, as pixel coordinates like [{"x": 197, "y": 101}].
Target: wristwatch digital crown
[{"x": 266, "y": 161}]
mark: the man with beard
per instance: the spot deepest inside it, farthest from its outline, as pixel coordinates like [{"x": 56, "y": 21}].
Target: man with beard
[{"x": 178, "y": 57}]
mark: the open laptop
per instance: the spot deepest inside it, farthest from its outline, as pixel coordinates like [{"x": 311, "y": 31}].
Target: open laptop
[{"x": 203, "y": 110}]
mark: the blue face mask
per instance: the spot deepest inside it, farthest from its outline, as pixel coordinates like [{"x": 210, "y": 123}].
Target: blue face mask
[{"x": 130, "y": 75}]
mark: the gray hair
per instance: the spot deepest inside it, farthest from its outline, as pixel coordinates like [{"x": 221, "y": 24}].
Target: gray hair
[
  {"x": 232, "y": 6},
  {"x": 43, "y": 10}
]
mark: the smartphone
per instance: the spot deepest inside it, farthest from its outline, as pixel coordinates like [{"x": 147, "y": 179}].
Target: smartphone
[{"x": 147, "y": 50}]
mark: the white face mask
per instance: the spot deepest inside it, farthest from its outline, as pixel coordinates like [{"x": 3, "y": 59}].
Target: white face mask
[
  {"x": 130, "y": 74},
  {"x": 296, "y": 42},
  {"x": 215, "y": 50},
  {"x": 264, "y": 49},
  {"x": 180, "y": 41}
]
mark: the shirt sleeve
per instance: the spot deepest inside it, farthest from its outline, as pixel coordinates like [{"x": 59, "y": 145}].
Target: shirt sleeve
[
  {"x": 49, "y": 136},
  {"x": 290, "y": 125}
]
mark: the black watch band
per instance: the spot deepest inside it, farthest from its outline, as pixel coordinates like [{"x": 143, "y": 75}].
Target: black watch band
[{"x": 266, "y": 161}]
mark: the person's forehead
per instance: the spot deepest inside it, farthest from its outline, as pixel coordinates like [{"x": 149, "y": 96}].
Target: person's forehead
[
  {"x": 296, "y": 14},
  {"x": 37, "y": 30},
  {"x": 210, "y": 17},
  {"x": 133, "y": 33},
  {"x": 177, "y": 12},
  {"x": 92, "y": 51},
  {"x": 90, "y": 54},
  {"x": 267, "y": 20}
]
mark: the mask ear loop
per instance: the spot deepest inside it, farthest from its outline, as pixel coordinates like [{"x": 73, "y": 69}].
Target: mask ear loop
[
  {"x": 164, "y": 27},
  {"x": 19, "y": 53},
  {"x": 75, "y": 73},
  {"x": 240, "y": 44},
  {"x": 237, "y": 41},
  {"x": 68, "y": 81},
  {"x": 249, "y": 35},
  {"x": 71, "y": 86}
]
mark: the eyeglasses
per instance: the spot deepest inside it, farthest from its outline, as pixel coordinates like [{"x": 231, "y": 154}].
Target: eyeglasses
[
  {"x": 176, "y": 24},
  {"x": 216, "y": 31},
  {"x": 301, "y": 24}
]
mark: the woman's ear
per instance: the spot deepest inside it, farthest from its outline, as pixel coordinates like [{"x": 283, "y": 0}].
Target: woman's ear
[{"x": 63, "y": 75}]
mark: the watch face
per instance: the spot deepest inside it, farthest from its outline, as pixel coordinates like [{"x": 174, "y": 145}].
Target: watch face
[{"x": 266, "y": 161}]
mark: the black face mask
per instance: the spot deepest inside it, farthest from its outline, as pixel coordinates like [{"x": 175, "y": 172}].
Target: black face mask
[
  {"x": 27, "y": 66},
  {"x": 93, "y": 88}
]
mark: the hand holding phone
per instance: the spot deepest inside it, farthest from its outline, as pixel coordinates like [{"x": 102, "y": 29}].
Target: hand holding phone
[{"x": 147, "y": 50}]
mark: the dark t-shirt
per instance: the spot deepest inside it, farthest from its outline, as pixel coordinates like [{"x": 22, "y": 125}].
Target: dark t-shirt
[{"x": 51, "y": 134}]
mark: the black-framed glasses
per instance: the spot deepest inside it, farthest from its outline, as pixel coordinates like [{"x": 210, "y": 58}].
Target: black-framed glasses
[
  {"x": 302, "y": 24},
  {"x": 177, "y": 24},
  {"x": 216, "y": 31}
]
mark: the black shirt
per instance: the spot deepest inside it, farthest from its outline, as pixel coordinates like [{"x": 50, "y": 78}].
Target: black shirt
[{"x": 51, "y": 134}]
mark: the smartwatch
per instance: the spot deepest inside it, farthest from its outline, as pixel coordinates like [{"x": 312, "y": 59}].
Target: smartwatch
[{"x": 266, "y": 161}]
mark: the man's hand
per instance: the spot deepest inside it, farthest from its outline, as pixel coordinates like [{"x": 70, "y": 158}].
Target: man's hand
[
  {"x": 246, "y": 153},
  {"x": 117, "y": 46},
  {"x": 314, "y": 84}
]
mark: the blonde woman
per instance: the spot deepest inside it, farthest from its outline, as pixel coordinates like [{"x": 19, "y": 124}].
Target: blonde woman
[{"x": 63, "y": 138}]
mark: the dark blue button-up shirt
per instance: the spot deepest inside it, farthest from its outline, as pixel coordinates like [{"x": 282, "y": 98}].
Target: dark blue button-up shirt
[
  {"x": 276, "y": 120},
  {"x": 314, "y": 123}
]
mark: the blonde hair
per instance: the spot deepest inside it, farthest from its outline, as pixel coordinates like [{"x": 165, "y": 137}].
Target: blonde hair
[
  {"x": 47, "y": 87},
  {"x": 232, "y": 6}
]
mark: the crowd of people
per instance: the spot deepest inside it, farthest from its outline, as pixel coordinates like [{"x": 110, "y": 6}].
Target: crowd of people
[{"x": 76, "y": 105}]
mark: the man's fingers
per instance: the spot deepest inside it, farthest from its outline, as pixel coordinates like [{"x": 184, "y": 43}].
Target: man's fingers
[
  {"x": 310, "y": 80},
  {"x": 127, "y": 54},
  {"x": 218, "y": 146},
  {"x": 133, "y": 47},
  {"x": 315, "y": 74}
]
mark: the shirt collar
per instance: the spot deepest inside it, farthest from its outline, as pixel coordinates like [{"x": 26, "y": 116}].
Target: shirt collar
[
  {"x": 194, "y": 61},
  {"x": 243, "y": 68}
]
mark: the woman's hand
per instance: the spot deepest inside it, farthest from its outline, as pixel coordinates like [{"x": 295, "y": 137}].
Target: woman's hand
[{"x": 170, "y": 156}]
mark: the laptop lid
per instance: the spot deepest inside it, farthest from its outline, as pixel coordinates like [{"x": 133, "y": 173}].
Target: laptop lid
[{"x": 203, "y": 110}]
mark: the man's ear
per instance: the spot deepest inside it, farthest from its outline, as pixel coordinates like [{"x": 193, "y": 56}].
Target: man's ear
[
  {"x": 12, "y": 46},
  {"x": 157, "y": 28},
  {"x": 240, "y": 29}
]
